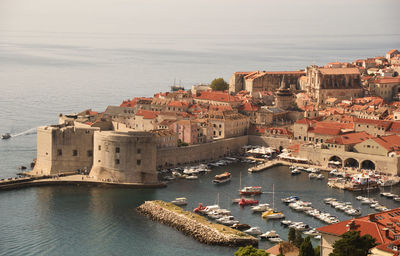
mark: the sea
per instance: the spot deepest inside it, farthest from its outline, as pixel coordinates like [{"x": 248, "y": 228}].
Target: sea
[{"x": 63, "y": 57}]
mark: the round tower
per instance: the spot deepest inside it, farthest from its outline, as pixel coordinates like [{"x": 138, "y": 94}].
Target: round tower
[{"x": 284, "y": 97}]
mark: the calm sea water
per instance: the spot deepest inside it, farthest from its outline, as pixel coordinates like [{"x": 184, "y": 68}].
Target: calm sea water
[{"x": 58, "y": 57}]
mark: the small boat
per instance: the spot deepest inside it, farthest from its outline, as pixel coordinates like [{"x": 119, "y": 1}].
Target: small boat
[
  {"x": 397, "y": 199},
  {"x": 313, "y": 175},
  {"x": 320, "y": 177},
  {"x": 269, "y": 234},
  {"x": 250, "y": 191},
  {"x": 180, "y": 201},
  {"x": 271, "y": 214},
  {"x": 6, "y": 136},
  {"x": 192, "y": 177},
  {"x": 255, "y": 231},
  {"x": 286, "y": 222},
  {"x": 244, "y": 202},
  {"x": 290, "y": 199},
  {"x": 276, "y": 240},
  {"x": 200, "y": 208},
  {"x": 260, "y": 208},
  {"x": 387, "y": 182},
  {"x": 240, "y": 226},
  {"x": 295, "y": 172},
  {"x": 222, "y": 178}
]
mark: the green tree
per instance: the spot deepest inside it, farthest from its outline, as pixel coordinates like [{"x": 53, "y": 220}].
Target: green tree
[
  {"x": 292, "y": 235},
  {"x": 352, "y": 244},
  {"x": 219, "y": 84},
  {"x": 250, "y": 251},
  {"x": 299, "y": 239},
  {"x": 317, "y": 250},
  {"x": 306, "y": 248}
]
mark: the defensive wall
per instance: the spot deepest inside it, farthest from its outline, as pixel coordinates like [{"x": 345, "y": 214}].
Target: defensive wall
[
  {"x": 275, "y": 142},
  {"x": 169, "y": 157}
]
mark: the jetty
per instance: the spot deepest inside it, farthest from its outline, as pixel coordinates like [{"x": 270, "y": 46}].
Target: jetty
[
  {"x": 279, "y": 162},
  {"x": 194, "y": 225}
]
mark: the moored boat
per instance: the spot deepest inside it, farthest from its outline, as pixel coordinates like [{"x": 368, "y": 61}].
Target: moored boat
[
  {"x": 222, "y": 178},
  {"x": 6, "y": 136},
  {"x": 271, "y": 214},
  {"x": 250, "y": 191},
  {"x": 244, "y": 202},
  {"x": 180, "y": 201}
]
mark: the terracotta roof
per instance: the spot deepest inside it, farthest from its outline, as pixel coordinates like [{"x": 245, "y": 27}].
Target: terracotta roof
[
  {"x": 373, "y": 225},
  {"x": 287, "y": 249},
  {"x": 147, "y": 114},
  {"x": 216, "y": 96},
  {"x": 325, "y": 130},
  {"x": 257, "y": 74},
  {"x": 387, "y": 80},
  {"x": 339, "y": 71},
  {"x": 350, "y": 138},
  {"x": 392, "y": 51},
  {"x": 390, "y": 142},
  {"x": 177, "y": 104},
  {"x": 248, "y": 107}
]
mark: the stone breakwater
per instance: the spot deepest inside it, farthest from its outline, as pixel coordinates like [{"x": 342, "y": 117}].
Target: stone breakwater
[{"x": 195, "y": 225}]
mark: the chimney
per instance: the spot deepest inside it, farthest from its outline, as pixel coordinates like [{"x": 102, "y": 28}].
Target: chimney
[
  {"x": 372, "y": 217},
  {"x": 386, "y": 232}
]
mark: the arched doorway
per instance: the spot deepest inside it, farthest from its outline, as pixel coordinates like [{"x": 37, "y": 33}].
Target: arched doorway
[
  {"x": 367, "y": 165},
  {"x": 351, "y": 162},
  {"x": 335, "y": 161}
]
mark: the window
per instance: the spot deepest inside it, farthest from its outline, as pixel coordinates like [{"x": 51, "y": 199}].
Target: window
[
  {"x": 59, "y": 152},
  {"x": 90, "y": 153},
  {"x": 74, "y": 152},
  {"x": 117, "y": 150},
  {"x": 220, "y": 126},
  {"x": 219, "y": 133},
  {"x": 139, "y": 151},
  {"x": 99, "y": 147},
  {"x": 139, "y": 162},
  {"x": 116, "y": 161}
]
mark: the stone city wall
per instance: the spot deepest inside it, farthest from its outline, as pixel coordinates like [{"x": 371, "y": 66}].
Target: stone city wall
[
  {"x": 269, "y": 141},
  {"x": 170, "y": 157}
]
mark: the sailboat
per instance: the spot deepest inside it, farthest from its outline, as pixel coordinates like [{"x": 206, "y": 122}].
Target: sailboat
[{"x": 273, "y": 214}]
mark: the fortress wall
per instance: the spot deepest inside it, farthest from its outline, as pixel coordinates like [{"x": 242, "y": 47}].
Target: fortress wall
[
  {"x": 169, "y": 157},
  {"x": 269, "y": 141},
  {"x": 124, "y": 157},
  {"x": 63, "y": 149}
]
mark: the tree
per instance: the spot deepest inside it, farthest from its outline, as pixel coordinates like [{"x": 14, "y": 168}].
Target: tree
[
  {"x": 352, "y": 244},
  {"x": 292, "y": 235},
  {"x": 299, "y": 239},
  {"x": 306, "y": 248},
  {"x": 219, "y": 84},
  {"x": 250, "y": 251},
  {"x": 317, "y": 250}
]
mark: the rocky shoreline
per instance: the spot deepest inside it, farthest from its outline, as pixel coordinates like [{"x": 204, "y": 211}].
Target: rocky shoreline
[{"x": 194, "y": 225}]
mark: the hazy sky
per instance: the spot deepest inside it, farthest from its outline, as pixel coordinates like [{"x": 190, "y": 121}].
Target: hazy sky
[{"x": 202, "y": 16}]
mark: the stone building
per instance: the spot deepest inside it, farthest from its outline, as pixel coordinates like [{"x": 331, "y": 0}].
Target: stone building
[
  {"x": 284, "y": 97},
  {"x": 386, "y": 87},
  {"x": 341, "y": 83},
  {"x": 124, "y": 157},
  {"x": 63, "y": 149},
  {"x": 258, "y": 81},
  {"x": 227, "y": 124}
]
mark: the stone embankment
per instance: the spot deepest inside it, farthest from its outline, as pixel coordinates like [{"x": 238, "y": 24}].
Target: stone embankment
[{"x": 195, "y": 225}]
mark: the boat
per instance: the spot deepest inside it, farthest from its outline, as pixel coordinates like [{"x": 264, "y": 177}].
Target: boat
[
  {"x": 192, "y": 177},
  {"x": 222, "y": 178},
  {"x": 6, "y": 136},
  {"x": 200, "y": 208},
  {"x": 313, "y": 175},
  {"x": 290, "y": 199},
  {"x": 255, "y": 231},
  {"x": 396, "y": 198},
  {"x": 250, "y": 191},
  {"x": 244, "y": 202},
  {"x": 180, "y": 201},
  {"x": 320, "y": 177},
  {"x": 271, "y": 214},
  {"x": 387, "y": 182},
  {"x": 276, "y": 240},
  {"x": 260, "y": 208},
  {"x": 295, "y": 172},
  {"x": 269, "y": 234},
  {"x": 239, "y": 226},
  {"x": 286, "y": 222}
]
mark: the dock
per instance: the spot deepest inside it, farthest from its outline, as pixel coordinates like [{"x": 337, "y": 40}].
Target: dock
[{"x": 273, "y": 163}]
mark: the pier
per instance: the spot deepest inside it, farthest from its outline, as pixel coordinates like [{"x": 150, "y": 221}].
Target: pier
[
  {"x": 273, "y": 163},
  {"x": 194, "y": 225}
]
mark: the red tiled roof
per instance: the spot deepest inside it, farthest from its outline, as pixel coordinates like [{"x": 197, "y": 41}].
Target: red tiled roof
[
  {"x": 147, "y": 114},
  {"x": 373, "y": 225},
  {"x": 339, "y": 71},
  {"x": 216, "y": 96},
  {"x": 392, "y": 51},
  {"x": 350, "y": 138},
  {"x": 387, "y": 80},
  {"x": 379, "y": 123},
  {"x": 390, "y": 142},
  {"x": 177, "y": 104},
  {"x": 248, "y": 107},
  {"x": 325, "y": 130},
  {"x": 132, "y": 103}
]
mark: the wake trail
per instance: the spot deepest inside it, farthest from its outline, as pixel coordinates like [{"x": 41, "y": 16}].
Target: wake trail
[{"x": 27, "y": 132}]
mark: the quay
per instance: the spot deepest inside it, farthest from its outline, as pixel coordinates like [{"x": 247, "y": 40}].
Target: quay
[
  {"x": 273, "y": 163},
  {"x": 194, "y": 225},
  {"x": 74, "y": 180}
]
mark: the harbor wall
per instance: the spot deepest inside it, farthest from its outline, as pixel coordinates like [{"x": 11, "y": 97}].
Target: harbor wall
[
  {"x": 269, "y": 141},
  {"x": 170, "y": 157},
  {"x": 194, "y": 225}
]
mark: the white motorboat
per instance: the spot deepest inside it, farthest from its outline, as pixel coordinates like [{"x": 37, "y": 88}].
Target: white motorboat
[
  {"x": 254, "y": 231},
  {"x": 276, "y": 240},
  {"x": 295, "y": 172},
  {"x": 313, "y": 175},
  {"x": 269, "y": 234},
  {"x": 260, "y": 208},
  {"x": 286, "y": 222},
  {"x": 192, "y": 177},
  {"x": 320, "y": 177},
  {"x": 222, "y": 178},
  {"x": 180, "y": 201}
]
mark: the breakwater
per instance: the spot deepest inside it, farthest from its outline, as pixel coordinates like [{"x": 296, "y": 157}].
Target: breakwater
[{"x": 194, "y": 225}]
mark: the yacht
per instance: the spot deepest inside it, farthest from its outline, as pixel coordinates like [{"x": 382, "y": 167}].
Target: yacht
[
  {"x": 260, "y": 208},
  {"x": 320, "y": 177},
  {"x": 276, "y": 240},
  {"x": 250, "y": 191},
  {"x": 222, "y": 178},
  {"x": 255, "y": 231},
  {"x": 192, "y": 177},
  {"x": 295, "y": 172},
  {"x": 269, "y": 234},
  {"x": 180, "y": 201},
  {"x": 271, "y": 214}
]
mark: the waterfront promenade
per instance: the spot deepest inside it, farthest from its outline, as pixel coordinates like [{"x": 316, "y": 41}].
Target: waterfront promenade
[{"x": 278, "y": 162}]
